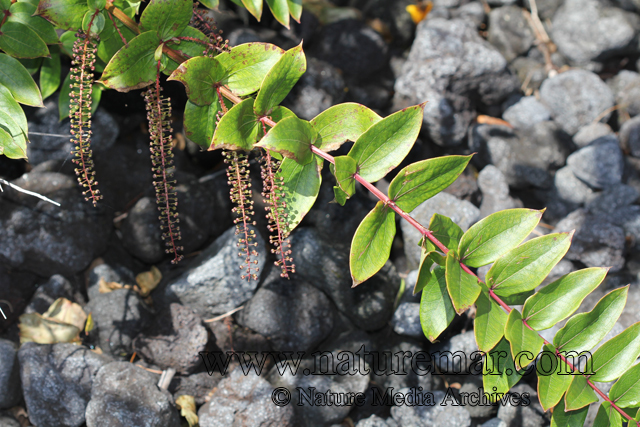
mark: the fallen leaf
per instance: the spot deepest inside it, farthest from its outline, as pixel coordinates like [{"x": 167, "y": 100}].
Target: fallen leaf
[
  {"x": 36, "y": 328},
  {"x": 187, "y": 405},
  {"x": 419, "y": 11},
  {"x": 65, "y": 311},
  {"x": 106, "y": 287},
  {"x": 148, "y": 280},
  {"x": 488, "y": 120}
]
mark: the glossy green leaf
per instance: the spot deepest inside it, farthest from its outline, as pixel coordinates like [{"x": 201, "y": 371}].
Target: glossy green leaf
[
  {"x": 615, "y": 356},
  {"x": 344, "y": 169},
  {"x": 254, "y": 7},
  {"x": 422, "y": 180},
  {"x": 12, "y": 140},
  {"x": 186, "y": 48},
  {"x": 280, "y": 80},
  {"x": 247, "y": 65},
  {"x": 31, "y": 64},
  {"x": 576, "y": 418},
  {"x": 579, "y": 394},
  {"x": 210, "y": 4},
  {"x": 301, "y": 185},
  {"x": 488, "y": 326},
  {"x": 295, "y": 8},
  {"x": 499, "y": 371},
  {"x": 445, "y": 230},
  {"x": 558, "y": 300},
  {"x": 495, "y": 235},
  {"x": 133, "y": 67},
  {"x": 424, "y": 271},
  {"x": 238, "y": 128},
  {"x": 524, "y": 342},
  {"x": 585, "y": 330},
  {"x": 96, "y": 4},
  {"x": 23, "y": 12},
  {"x": 200, "y": 75},
  {"x": 280, "y": 11},
  {"x": 385, "y": 144},
  {"x": 291, "y": 137},
  {"x": 50, "y": 73},
  {"x": 553, "y": 377},
  {"x": 20, "y": 41},
  {"x": 96, "y": 21},
  {"x": 525, "y": 267},
  {"x": 110, "y": 40},
  {"x": 63, "y": 98},
  {"x": 463, "y": 287},
  {"x": 200, "y": 122},
  {"x": 626, "y": 391},
  {"x": 371, "y": 243},
  {"x": 436, "y": 310},
  {"x": 607, "y": 416},
  {"x": 15, "y": 77},
  {"x": 66, "y": 14},
  {"x": 341, "y": 123},
  {"x": 11, "y": 107},
  {"x": 166, "y": 17}
]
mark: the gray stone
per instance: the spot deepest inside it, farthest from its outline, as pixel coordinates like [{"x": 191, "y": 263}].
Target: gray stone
[
  {"x": 591, "y": 133},
  {"x": 119, "y": 316},
  {"x": 473, "y": 12},
  {"x": 9, "y": 375},
  {"x": 57, "y": 381},
  {"x": 46, "y": 294},
  {"x": 124, "y": 394},
  {"x": 477, "y": 410},
  {"x": 109, "y": 274},
  {"x": 630, "y": 136},
  {"x": 599, "y": 165},
  {"x": 461, "y": 212},
  {"x": 197, "y": 385},
  {"x": 406, "y": 320},
  {"x": 576, "y": 98},
  {"x": 612, "y": 198},
  {"x": 501, "y": 2},
  {"x": 436, "y": 415},
  {"x": 626, "y": 88},
  {"x": 570, "y": 189},
  {"x": 7, "y": 420},
  {"x": 376, "y": 421},
  {"x": 546, "y": 8},
  {"x": 445, "y": 353},
  {"x": 391, "y": 371},
  {"x": 588, "y": 30},
  {"x": 213, "y": 284},
  {"x": 292, "y": 314},
  {"x": 495, "y": 192},
  {"x": 531, "y": 415},
  {"x": 526, "y": 112},
  {"x": 509, "y": 31},
  {"x": 494, "y": 422}
]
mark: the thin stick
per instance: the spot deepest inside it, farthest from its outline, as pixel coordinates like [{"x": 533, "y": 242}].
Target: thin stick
[
  {"x": 31, "y": 193},
  {"x": 3, "y": 315},
  {"x": 57, "y": 135},
  {"x": 165, "y": 378},
  {"x": 222, "y": 316}
]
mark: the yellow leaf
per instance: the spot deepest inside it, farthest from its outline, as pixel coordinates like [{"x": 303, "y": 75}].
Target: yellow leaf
[
  {"x": 148, "y": 280},
  {"x": 106, "y": 287},
  {"x": 419, "y": 11},
  {"x": 187, "y": 405},
  {"x": 64, "y": 311},
  {"x": 88, "y": 327},
  {"x": 34, "y": 327}
]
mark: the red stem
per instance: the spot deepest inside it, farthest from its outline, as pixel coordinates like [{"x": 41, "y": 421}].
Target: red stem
[
  {"x": 4, "y": 18},
  {"x": 117, "y": 29}
]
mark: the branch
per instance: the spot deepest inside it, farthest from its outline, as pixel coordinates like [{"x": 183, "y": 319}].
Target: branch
[{"x": 31, "y": 193}]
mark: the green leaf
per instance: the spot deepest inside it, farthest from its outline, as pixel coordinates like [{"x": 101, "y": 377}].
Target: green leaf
[
  {"x": 20, "y": 41},
  {"x": 497, "y": 234},
  {"x": 436, "y": 310},
  {"x": 585, "y": 330},
  {"x": 607, "y": 416},
  {"x": 553, "y": 377},
  {"x": 525, "y": 267},
  {"x": 254, "y": 7},
  {"x": 371, "y": 244},
  {"x": 560, "y": 418},
  {"x": 463, "y": 287},
  {"x": 238, "y": 129},
  {"x": 579, "y": 394},
  {"x": 280, "y": 11},
  {"x": 558, "y": 300},
  {"x": 488, "y": 326},
  {"x": 280, "y": 80},
  {"x": 63, "y": 98},
  {"x": 295, "y": 7},
  {"x": 499, "y": 372},
  {"x": 424, "y": 271},
  {"x": 200, "y": 122},
  {"x": 344, "y": 170},
  {"x": 626, "y": 391},
  {"x": 422, "y": 180},
  {"x": 341, "y": 123},
  {"x": 385, "y": 144},
  {"x": 23, "y": 12},
  {"x": 200, "y": 75},
  {"x": 110, "y": 40},
  {"x": 31, "y": 64},
  {"x": 167, "y": 17},
  {"x": 247, "y": 65},
  {"x": 97, "y": 22},
  {"x": 615, "y": 356},
  {"x": 9, "y": 105},
  {"x": 291, "y": 137},
  {"x": 12, "y": 140},
  {"x": 133, "y": 67},
  {"x": 50, "y": 73},
  {"x": 66, "y": 14},
  {"x": 524, "y": 342},
  {"x": 96, "y": 4},
  {"x": 210, "y": 4},
  {"x": 186, "y": 48},
  {"x": 300, "y": 185},
  {"x": 446, "y": 231},
  {"x": 15, "y": 77}
]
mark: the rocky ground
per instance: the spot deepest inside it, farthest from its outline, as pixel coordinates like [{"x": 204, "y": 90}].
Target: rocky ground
[{"x": 566, "y": 87}]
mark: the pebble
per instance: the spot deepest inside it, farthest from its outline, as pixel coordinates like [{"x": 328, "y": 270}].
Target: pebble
[
  {"x": 10, "y": 391},
  {"x": 591, "y": 133},
  {"x": 599, "y": 165},
  {"x": 509, "y": 31},
  {"x": 526, "y": 112},
  {"x": 630, "y": 136}
]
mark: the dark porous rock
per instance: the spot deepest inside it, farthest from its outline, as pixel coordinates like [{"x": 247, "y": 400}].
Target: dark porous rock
[
  {"x": 523, "y": 415},
  {"x": 388, "y": 371},
  {"x": 394, "y": 14},
  {"x": 576, "y": 98},
  {"x": 497, "y": 3},
  {"x": 9, "y": 374},
  {"x": 325, "y": 265},
  {"x": 444, "y": 353},
  {"x": 106, "y": 272},
  {"x": 46, "y": 294},
  {"x": 597, "y": 241},
  {"x": 46, "y": 239},
  {"x": 351, "y": 46},
  {"x": 526, "y": 112},
  {"x": 627, "y": 217},
  {"x": 244, "y": 401},
  {"x": 626, "y": 88},
  {"x": 630, "y": 136},
  {"x": 591, "y": 133},
  {"x": 124, "y": 394},
  {"x": 431, "y": 415},
  {"x": 588, "y": 30},
  {"x": 175, "y": 341},
  {"x": 197, "y": 385},
  {"x": 221, "y": 217},
  {"x": 318, "y": 89},
  {"x": 406, "y": 320},
  {"x": 476, "y": 411},
  {"x": 599, "y": 165},
  {"x": 545, "y": 145},
  {"x": 509, "y": 31},
  {"x": 213, "y": 284},
  {"x": 461, "y": 212},
  {"x": 46, "y": 120},
  {"x": 119, "y": 316},
  {"x": 612, "y": 198},
  {"x": 57, "y": 381},
  {"x": 495, "y": 192},
  {"x": 468, "y": 68},
  {"x": 376, "y": 421}
]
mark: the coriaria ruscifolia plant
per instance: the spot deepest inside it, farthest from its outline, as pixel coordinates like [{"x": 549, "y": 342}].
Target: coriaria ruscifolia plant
[{"x": 233, "y": 105}]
